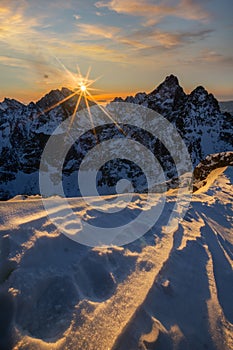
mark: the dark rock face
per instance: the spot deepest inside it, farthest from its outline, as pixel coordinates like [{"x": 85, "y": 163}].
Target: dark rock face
[
  {"x": 167, "y": 97},
  {"x": 24, "y": 131},
  {"x": 210, "y": 163},
  {"x": 197, "y": 117}
]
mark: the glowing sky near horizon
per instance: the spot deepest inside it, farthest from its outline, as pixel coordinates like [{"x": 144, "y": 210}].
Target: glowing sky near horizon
[{"x": 133, "y": 45}]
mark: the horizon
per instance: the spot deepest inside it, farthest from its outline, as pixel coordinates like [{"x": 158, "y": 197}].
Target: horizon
[
  {"x": 133, "y": 45},
  {"x": 107, "y": 98}
]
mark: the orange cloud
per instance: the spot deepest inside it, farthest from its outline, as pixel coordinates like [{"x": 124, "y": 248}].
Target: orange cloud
[
  {"x": 92, "y": 31},
  {"x": 99, "y": 52},
  {"x": 153, "y": 13},
  {"x": 143, "y": 39},
  {"x": 13, "y": 24},
  {"x": 153, "y": 38},
  {"x": 17, "y": 31},
  {"x": 13, "y": 62},
  {"x": 21, "y": 35}
]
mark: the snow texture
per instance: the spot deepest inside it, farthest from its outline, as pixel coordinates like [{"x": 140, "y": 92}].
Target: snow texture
[{"x": 163, "y": 291}]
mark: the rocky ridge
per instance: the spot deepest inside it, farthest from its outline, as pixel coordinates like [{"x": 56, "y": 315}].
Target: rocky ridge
[{"x": 25, "y": 129}]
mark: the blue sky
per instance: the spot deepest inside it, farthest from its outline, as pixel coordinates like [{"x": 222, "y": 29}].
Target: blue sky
[{"x": 133, "y": 45}]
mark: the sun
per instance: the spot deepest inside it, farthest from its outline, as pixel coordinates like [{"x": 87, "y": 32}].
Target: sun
[{"x": 82, "y": 89}]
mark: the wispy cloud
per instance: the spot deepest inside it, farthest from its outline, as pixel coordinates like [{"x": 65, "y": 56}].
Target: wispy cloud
[
  {"x": 153, "y": 13},
  {"x": 93, "y": 31},
  {"x": 208, "y": 56},
  {"x": 211, "y": 56},
  {"x": 167, "y": 40},
  {"x": 34, "y": 70},
  {"x": 95, "y": 51},
  {"x": 141, "y": 39},
  {"x": 17, "y": 31},
  {"x": 13, "y": 62},
  {"x": 22, "y": 35}
]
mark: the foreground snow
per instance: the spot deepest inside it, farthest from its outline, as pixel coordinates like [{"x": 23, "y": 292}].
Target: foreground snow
[{"x": 164, "y": 291}]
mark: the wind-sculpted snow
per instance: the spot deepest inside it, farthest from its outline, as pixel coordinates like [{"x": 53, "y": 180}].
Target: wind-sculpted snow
[
  {"x": 164, "y": 290},
  {"x": 210, "y": 166}
]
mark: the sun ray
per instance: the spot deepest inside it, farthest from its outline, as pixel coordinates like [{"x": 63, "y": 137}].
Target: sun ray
[
  {"x": 75, "y": 111},
  {"x": 94, "y": 89},
  {"x": 82, "y": 89},
  {"x": 79, "y": 71},
  {"x": 91, "y": 119},
  {"x": 88, "y": 74},
  {"x": 94, "y": 81},
  {"x": 66, "y": 70},
  {"x": 106, "y": 113},
  {"x": 58, "y": 103}
]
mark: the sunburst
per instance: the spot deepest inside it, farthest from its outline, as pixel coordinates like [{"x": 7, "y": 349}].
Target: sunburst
[{"x": 82, "y": 86}]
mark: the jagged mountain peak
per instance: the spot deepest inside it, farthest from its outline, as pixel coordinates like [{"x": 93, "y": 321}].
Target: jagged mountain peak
[
  {"x": 168, "y": 96},
  {"x": 11, "y": 104},
  {"x": 171, "y": 82},
  {"x": 65, "y": 91},
  {"x": 172, "y": 79},
  {"x": 200, "y": 89},
  {"x": 199, "y": 93},
  {"x": 200, "y": 96},
  {"x": 53, "y": 96}
]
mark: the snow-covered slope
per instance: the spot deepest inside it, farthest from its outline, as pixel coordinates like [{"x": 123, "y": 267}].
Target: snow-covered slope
[
  {"x": 24, "y": 131},
  {"x": 163, "y": 291},
  {"x": 197, "y": 117},
  {"x": 210, "y": 166}
]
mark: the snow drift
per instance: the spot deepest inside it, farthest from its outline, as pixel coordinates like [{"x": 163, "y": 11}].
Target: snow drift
[{"x": 163, "y": 291}]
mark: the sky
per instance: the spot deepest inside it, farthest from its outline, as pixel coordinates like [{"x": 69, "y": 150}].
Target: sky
[{"x": 131, "y": 46}]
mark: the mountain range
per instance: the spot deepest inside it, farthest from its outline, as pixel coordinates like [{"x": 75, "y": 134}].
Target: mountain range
[
  {"x": 25, "y": 129},
  {"x": 164, "y": 290}
]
